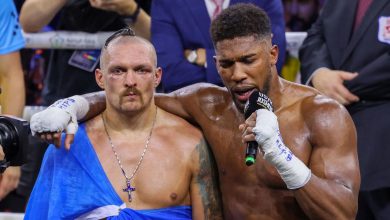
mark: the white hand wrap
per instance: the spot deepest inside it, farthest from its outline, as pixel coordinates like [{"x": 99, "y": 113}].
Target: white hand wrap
[
  {"x": 292, "y": 170},
  {"x": 62, "y": 115}
]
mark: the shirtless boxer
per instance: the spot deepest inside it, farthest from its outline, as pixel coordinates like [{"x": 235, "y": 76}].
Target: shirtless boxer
[
  {"x": 322, "y": 180},
  {"x": 133, "y": 161}
]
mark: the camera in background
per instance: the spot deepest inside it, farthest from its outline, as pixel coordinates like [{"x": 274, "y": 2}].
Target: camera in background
[{"x": 14, "y": 133}]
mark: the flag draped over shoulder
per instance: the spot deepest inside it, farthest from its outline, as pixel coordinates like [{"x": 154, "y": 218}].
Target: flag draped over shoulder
[{"x": 72, "y": 185}]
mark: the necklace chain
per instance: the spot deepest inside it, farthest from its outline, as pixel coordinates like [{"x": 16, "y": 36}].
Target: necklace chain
[{"x": 142, "y": 155}]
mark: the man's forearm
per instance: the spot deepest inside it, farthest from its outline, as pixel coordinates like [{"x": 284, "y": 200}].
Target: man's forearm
[
  {"x": 327, "y": 199},
  {"x": 35, "y": 14},
  {"x": 97, "y": 104},
  {"x": 12, "y": 97},
  {"x": 142, "y": 25}
]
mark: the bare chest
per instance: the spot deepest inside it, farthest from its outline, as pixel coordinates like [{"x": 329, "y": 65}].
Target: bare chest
[
  {"x": 225, "y": 139},
  {"x": 148, "y": 181}
]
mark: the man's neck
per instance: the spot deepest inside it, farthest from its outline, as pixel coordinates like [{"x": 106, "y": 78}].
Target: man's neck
[{"x": 275, "y": 92}]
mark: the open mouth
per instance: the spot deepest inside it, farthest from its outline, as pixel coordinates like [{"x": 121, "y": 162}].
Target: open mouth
[{"x": 242, "y": 94}]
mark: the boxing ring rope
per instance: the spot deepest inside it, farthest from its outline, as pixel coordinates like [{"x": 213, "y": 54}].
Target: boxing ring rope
[
  {"x": 83, "y": 40},
  {"x": 66, "y": 40},
  {"x": 11, "y": 216}
]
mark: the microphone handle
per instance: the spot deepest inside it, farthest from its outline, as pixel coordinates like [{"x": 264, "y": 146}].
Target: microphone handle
[{"x": 251, "y": 152}]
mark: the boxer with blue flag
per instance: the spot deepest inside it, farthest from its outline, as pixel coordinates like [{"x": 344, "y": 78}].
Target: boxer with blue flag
[{"x": 134, "y": 160}]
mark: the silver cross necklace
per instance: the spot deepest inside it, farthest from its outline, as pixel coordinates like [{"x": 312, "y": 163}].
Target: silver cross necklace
[{"x": 128, "y": 187}]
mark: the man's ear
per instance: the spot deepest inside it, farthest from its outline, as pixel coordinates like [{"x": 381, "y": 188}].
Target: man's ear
[
  {"x": 99, "y": 78},
  {"x": 274, "y": 53},
  {"x": 157, "y": 77},
  {"x": 216, "y": 63}
]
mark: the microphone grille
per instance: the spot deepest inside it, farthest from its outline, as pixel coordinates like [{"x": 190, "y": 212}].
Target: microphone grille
[{"x": 257, "y": 100}]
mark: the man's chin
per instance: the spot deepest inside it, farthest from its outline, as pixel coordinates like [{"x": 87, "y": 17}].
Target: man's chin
[
  {"x": 130, "y": 108},
  {"x": 240, "y": 105}
]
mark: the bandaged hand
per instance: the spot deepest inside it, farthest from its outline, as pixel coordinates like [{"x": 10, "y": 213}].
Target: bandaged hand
[
  {"x": 60, "y": 116},
  {"x": 292, "y": 170}
]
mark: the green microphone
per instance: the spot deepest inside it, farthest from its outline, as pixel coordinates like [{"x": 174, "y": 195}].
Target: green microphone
[{"x": 257, "y": 100}]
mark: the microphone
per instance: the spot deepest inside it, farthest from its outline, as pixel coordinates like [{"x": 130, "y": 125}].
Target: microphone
[{"x": 257, "y": 100}]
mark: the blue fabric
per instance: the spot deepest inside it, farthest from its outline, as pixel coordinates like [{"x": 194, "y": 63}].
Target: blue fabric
[
  {"x": 11, "y": 38},
  {"x": 185, "y": 24},
  {"x": 171, "y": 213},
  {"x": 72, "y": 183}
]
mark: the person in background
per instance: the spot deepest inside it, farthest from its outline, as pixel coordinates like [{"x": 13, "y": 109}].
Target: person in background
[
  {"x": 180, "y": 33},
  {"x": 346, "y": 56},
  {"x": 12, "y": 97},
  {"x": 299, "y": 15}
]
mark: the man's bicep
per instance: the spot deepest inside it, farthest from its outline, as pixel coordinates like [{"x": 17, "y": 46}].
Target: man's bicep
[
  {"x": 334, "y": 153},
  {"x": 205, "y": 194}
]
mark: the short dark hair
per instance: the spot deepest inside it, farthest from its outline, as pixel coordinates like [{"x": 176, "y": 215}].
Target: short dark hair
[
  {"x": 122, "y": 32},
  {"x": 240, "y": 20}
]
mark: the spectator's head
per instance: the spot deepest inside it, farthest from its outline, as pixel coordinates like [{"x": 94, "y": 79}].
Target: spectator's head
[
  {"x": 245, "y": 57},
  {"x": 128, "y": 72},
  {"x": 300, "y": 14}
]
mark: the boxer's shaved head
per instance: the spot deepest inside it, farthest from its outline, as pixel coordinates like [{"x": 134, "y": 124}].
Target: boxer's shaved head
[{"x": 122, "y": 36}]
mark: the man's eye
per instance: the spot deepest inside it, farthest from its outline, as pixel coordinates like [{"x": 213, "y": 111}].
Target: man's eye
[
  {"x": 226, "y": 64},
  {"x": 247, "y": 61},
  {"x": 142, "y": 71},
  {"x": 117, "y": 71}
]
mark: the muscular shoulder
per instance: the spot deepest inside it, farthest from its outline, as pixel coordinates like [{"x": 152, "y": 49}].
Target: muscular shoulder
[
  {"x": 320, "y": 116},
  {"x": 203, "y": 96},
  {"x": 327, "y": 119},
  {"x": 178, "y": 133},
  {"x": 312, "y": 105},
  {"x": 201, "y": 92},
  {"x": 320, "y": 108}
]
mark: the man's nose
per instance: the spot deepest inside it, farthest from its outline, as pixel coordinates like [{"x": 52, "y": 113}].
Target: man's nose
[
  {"x": 130, "y": 78},
  {"x": 238, "y": 73}
]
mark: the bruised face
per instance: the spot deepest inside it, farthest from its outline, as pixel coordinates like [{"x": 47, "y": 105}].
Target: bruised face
[
  {"x": 128, "y": 74},
  {"x": 245, "y": 64}
]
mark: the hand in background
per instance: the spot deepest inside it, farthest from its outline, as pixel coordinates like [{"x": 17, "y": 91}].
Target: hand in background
[
  {"x": 1, "y": 153},
  {"x": 200, "y": 56},
  {"x": 9, "y": 181},
  {"x": 122, "y": 7},
  {"x": 330, "y": 82}
]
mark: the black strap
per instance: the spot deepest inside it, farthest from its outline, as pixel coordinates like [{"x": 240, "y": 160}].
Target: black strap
[{"x": 3, "y": 165}]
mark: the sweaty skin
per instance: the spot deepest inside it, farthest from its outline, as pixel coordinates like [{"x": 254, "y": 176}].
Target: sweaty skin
[
  {"x": 317, "y": 129},
  {"x": 177, "y": 168},
  {"x": 257, "y": 192}
]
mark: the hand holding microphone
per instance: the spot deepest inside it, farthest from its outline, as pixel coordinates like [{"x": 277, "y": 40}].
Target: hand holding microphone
[
  {"x": 291, "y": 169},
  {"x": 256, "y": 101}
]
